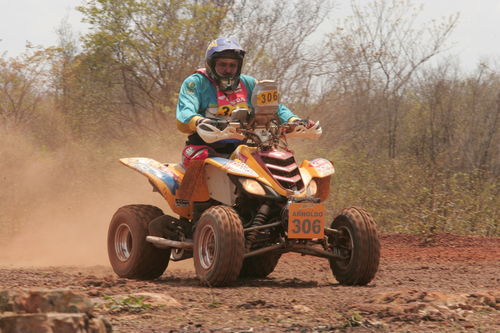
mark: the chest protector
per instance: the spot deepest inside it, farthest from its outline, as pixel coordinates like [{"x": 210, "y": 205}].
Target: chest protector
[{"x": 226, "y": 103}]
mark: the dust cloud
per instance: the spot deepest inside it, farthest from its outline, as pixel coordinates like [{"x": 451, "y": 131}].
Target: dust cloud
[{"x": 55, "y": 206}]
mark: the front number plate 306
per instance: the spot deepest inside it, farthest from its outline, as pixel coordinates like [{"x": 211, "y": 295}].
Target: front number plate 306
[{"x": 306, "y": 220}]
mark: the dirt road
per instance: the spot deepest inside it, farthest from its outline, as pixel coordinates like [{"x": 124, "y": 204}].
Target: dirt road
[{"x": 444, "y": 284}]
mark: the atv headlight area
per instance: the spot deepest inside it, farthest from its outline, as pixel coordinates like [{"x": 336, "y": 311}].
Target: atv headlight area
[
  {"x": 252, "y": 186},
  {"x": 312, "y": 188}
]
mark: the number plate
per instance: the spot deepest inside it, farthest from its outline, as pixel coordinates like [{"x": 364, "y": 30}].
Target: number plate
[
  {"x": 306, "y": 220},
  {"x": 269, "y": 97}
]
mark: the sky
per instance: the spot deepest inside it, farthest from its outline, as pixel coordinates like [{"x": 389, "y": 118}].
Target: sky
[{"x": 476, "y": 37}]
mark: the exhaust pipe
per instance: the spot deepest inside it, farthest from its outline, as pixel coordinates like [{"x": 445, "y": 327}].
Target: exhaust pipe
[{"x": 164, "y": 243}]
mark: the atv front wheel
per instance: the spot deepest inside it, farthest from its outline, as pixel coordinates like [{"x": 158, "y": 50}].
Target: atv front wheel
[
  {"x": 218, "y": 246},
  {"x": 130, "y": 255},
  {"x": 358, "y": 242},
  {"x": 259, "y": 266}
]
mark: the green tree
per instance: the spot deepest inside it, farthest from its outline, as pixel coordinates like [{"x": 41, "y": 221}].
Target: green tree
[{"x": 139, "y": 51}]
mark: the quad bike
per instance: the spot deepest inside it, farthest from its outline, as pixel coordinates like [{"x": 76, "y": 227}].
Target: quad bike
[{"x": 236, "y": 215}]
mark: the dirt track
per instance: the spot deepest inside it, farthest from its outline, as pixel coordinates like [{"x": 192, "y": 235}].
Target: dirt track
[{"x": 444, "y": 284}]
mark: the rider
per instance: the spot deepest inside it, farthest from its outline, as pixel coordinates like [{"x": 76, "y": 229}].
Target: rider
[{"x": 213, "y": 93}]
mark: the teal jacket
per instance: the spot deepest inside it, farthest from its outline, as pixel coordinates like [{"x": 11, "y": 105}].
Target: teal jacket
[{"x": 197, "y": 94}]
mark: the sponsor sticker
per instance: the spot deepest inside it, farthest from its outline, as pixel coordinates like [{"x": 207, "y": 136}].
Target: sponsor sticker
[
  {"x": 240, "y": 167},
  {"x": 181, "y": 203},
  {"x": 322, "y": 166}
]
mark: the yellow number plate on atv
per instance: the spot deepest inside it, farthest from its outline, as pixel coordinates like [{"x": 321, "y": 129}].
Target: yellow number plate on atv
[
  {"x": 269, "y": 97},
  {"x": 306, "y": 220}
]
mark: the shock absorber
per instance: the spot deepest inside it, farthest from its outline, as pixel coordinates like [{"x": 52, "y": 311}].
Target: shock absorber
[{"x": 259, "y": 219}]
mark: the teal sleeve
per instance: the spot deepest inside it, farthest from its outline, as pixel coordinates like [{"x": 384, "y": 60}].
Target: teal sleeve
[
  {"x": 284, "y": 113},
  {"x": 188, "y": 104},
  {"x": 249, "y": 82}
]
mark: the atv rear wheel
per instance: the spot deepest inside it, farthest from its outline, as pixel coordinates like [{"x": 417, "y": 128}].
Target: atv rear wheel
[
  {"x": 259, "y": 266},
  {"x": 130, "y": 255},
  {"x": 359, "y": 243},
  {"x": 218, "y": 246}
]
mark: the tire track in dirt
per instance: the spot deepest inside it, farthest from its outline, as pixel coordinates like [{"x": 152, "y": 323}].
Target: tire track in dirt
[{"x": 434, "y": 284}]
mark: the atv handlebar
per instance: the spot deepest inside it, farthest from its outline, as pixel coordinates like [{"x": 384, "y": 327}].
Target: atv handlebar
[
  {"x": 218, "y": 123},
  {"x": 212, "y": 130},
  {"x": 302, "y": 129}
]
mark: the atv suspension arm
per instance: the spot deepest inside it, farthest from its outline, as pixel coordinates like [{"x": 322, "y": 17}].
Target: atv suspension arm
[
  {"x": 265, "y": 226},
  {"x": 293, "y": 247}
]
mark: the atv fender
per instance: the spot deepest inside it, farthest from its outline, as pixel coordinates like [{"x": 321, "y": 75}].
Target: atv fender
[
  {"x": 232, "y": 167},
  {"x": 220, "y": 187},
  {"x": 163, "y": 178},
  {"x": 320, "y": 170},
  {"x": 166, "y": 178}
]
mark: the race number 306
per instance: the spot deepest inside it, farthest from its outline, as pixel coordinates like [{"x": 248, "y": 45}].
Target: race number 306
[
  {"x": 268, "y": 97},
  {"x": 306, "y": 220}
]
